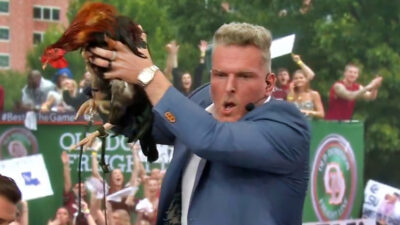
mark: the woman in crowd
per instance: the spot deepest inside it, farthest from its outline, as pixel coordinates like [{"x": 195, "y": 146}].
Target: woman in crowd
[
  {"x": 116, "y": 183},
  {"x": 62, "y": 217},
  {"x": 307, "y": 100},
  {"x": 55, "y": 101}
]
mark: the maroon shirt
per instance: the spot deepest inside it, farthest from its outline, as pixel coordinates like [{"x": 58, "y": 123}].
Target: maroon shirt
[
  {"x": 339, "y": 108},
  {"x": 281, "y": 92}
]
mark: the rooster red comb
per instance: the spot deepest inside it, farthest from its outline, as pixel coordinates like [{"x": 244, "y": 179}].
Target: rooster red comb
[{"x": 92, "y": 18}]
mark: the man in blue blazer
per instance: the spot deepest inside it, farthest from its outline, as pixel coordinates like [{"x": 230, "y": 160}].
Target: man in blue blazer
[{"x": 240, "y": 157}]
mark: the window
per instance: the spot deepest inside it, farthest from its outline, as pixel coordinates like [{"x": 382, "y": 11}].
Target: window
[
  {"x": 37, "y": 37},
  {"x": 37, "y": 12},
  {"x": 46, "y": 13},
  {"x": 4, "y": 34},
  {"x": 4, "y": 60},
  {"x": 56, "y": 14},
  {"x": 4, "y": 7}
]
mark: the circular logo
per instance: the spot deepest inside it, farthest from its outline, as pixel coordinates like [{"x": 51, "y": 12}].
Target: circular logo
[
  {"x": 17, "y": 142},
  {"x": 333, "y": 179}
]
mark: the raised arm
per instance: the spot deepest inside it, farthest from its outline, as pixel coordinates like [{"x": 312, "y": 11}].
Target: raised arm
[
  {"x": 198, "y": 73},
  {"x": 172, "y": 59},
  {"x": 66, "y": 172},
  {"x": 307, "y": 70},
  {"x": 95, "y": 166},
  {"x": 362, "y": 92},
  {"x": 172, "y": 62},
  {"x": 371, "y": 95}
]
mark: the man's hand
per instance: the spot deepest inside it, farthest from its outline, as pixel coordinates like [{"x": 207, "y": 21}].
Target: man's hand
[
  {"x": 375, "y": 83},
  {"x": 296, "y": 58},
  {"x": 64, "y": 158},
  {"x": 87, "y": 141},
  {"x": 172, "y": 47},
  {"x": 203, "y": 46}
]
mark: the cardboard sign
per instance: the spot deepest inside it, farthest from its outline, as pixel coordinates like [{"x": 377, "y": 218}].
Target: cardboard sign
[
  {"x": 282, "y": 46},
  {"x": 381, "y": 203},
  {"x": 30, "y": 174}
]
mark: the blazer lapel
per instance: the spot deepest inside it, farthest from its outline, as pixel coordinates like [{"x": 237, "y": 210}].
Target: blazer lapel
[{"x": 172, "y": 180}]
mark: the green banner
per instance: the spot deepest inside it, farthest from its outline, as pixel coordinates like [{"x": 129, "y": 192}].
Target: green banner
[
  {"x": 50, "y": 140},
  {"x": 336, "y": 171},
  {"x": 336, "y": 164}
]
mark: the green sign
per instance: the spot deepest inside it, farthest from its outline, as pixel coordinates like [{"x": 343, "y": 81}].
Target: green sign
[
  {"x": 50, "y": 140},
  {"x": 336, "y": 171},
  {"x": 336, "y": 165}
]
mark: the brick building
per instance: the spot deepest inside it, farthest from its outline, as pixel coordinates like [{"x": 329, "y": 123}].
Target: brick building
[{"x": 23, "y": 23}]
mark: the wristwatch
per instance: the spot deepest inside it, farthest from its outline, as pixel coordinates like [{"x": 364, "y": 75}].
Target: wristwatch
[{"x": 147, "y": 75}]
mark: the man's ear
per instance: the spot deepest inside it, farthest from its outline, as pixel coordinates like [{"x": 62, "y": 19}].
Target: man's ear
[{"x": 270, "y": 80}]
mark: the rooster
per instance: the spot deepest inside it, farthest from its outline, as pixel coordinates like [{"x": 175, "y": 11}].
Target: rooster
[{"x": 127, "y": 107}]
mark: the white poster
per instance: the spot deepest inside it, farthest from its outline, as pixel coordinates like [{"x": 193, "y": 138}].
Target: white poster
[
  {"x": 282, "y": 46},
  {"x": 345, "y": 222},
  {"x": 381, "y": 203},
  {"x": 30, "y": 174}
]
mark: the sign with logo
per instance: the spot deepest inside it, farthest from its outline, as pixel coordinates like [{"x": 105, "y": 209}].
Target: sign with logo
[
  {"x": 345, "y": 222},
  {"x": 17, "y": 142},
  {"x": 381, "y": 203},
  {"x": 336, "y": 171},
  {"x": 30, "y": 174},
  {"x": 333, "y": 179}
]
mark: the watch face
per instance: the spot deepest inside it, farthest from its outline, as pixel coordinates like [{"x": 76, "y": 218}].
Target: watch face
[{"x": 147, "y": 75}]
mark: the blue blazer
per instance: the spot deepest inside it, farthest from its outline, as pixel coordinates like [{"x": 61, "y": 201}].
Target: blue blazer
[{"x": 252, "y": 172}]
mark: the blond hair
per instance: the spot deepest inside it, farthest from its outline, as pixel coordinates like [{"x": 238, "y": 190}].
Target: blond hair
[{"x": 244, "y": 34}]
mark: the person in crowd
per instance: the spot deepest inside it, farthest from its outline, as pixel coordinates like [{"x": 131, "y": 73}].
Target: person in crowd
[
  {"x": 281, "y": 89},
  {"x": 148, "y": 212},
  {"x": 70, "y": 194},
  {"x": 55, "y": 99},
  {"x": 121, "y": 217},
  {"x": 307, "y": 100},
  {"x": 22, "y": 214},
  {"x": 35, "y": 93},
  {"x": 283, "y": 78},
  {"x": 116, "y": 183},
  {"x": 241, "y": 144},
  {"x": 71, "y": 96},
  {"x": 62, "y": 217},
  {"x": 85, "y": 82},
  {"x": 1, "y": 98},
  {"x": 344, "y": 93},
  {"x": 10, "y": 195},
  {"x": 184, "y": 82}
]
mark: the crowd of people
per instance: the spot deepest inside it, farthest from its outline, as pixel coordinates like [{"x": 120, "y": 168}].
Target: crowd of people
[
  {"x": 342, "y": 96},
  {"x": 64, "y": 94},
  {"x": 126, "y": 209}
]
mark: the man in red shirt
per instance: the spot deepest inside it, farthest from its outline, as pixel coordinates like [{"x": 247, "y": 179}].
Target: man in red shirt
[{"x": 344, "y": 93}]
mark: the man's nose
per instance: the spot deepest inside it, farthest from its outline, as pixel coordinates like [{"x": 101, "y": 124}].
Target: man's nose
[{"x": 231, "y": 83}]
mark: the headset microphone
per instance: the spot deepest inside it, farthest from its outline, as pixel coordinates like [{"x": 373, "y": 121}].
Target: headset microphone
[{"x": 249, "y": 107}]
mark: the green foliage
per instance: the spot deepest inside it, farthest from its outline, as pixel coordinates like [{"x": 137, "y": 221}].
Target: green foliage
[{"x": 12, "y": 82}]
